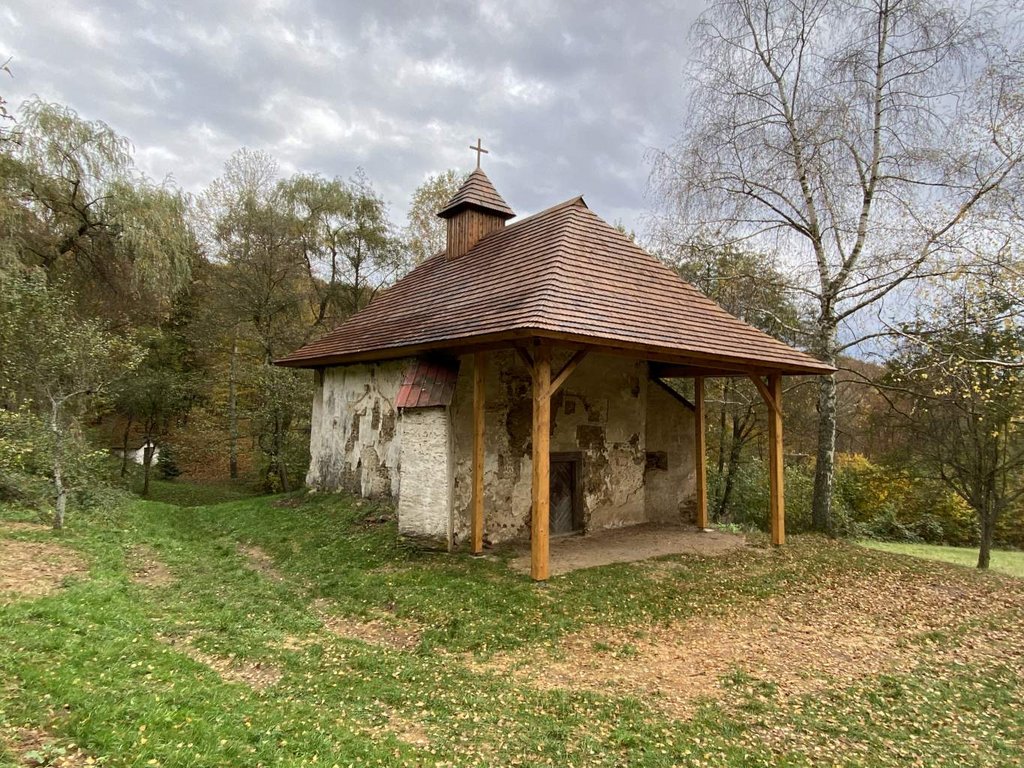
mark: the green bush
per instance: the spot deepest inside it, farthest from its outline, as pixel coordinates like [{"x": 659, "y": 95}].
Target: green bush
[
  {"x": 26, "y": 464},
  {"x": 869, "y": 499},
  {"x": 166, "y": 464},
  {"x": 893, "y": 504},
  {"x": 749, "y": 503}
]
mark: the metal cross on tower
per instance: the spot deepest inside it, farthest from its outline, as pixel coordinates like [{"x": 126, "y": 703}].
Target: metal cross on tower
[{"x": 479, "y": 151}]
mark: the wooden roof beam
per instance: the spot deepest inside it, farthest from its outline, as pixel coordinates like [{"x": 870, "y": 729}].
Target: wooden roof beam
[{"x": 567, "y": 369}]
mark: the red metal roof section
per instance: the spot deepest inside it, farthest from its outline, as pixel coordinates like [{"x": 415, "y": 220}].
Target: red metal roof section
[
  {"x": 428, "y": 383},
  {"x": 565, "y": 274},
  {"x": 477, "y": 191}
]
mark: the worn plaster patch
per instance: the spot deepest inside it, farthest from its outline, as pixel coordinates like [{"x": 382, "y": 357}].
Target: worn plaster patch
[
  {"x": 800, "y": 643},
  {"x": 387, "y": 632},
  {"x": 35, "y": 568}
]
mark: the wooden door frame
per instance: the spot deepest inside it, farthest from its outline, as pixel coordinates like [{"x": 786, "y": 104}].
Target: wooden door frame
[{"x": 576, "y": 459}]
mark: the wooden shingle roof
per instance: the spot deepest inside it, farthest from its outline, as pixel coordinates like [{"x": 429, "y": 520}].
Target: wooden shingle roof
[
  {"x": 477, "y": 192},
  {"x": 563, "y": 274}
]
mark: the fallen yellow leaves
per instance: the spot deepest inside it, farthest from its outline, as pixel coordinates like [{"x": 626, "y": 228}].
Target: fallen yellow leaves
[
  {"x": 256, "y": 675},
  {"x": 34, "y": 568},
  {"x": 389, "y": 632},
  {"x": 801, "y": 643}
]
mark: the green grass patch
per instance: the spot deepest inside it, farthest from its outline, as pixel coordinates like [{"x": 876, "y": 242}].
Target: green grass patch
[
  {"x": 1003, "y": 561},
  {"x": 183, "y": 493},
  {"x": 121, "y": 668}
]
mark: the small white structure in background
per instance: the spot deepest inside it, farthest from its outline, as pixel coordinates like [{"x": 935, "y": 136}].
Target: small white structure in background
[{"x": 138, "y": 455}]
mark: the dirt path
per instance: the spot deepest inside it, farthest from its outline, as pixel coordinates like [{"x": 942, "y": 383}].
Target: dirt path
[
  {"x": 626, "y": 545},
  {"x": 36, "y": 568}
]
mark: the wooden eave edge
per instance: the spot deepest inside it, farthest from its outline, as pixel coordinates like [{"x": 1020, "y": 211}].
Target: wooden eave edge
[{"x": 703, "y": 364}]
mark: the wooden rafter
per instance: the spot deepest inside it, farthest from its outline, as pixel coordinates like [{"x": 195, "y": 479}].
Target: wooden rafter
[
  {"x": 525, "y": 356},
  {"x": 567, "y": 370},
  {"x": 773, "y": 402}
]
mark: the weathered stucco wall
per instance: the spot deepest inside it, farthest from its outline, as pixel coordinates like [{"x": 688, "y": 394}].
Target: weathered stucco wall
[
  {"x": 670, "y": 479},
  {"x": 635, "y": 439},
  {"x": 354, "y": 441},
  {"x": 424, "y": 506},
  {"x": 600, "y": 411}
]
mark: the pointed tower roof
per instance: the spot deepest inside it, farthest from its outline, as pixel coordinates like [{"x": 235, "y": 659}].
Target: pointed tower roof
[{"x": 477, "y": 192}]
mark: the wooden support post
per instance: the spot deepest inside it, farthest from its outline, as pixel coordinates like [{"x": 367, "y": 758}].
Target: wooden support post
[
  {"x": 541, "y": 462},
  {"x": 777, "y": 506},
  {"x": 477, "y": 522},
  {"x": 700, "y": 452}
]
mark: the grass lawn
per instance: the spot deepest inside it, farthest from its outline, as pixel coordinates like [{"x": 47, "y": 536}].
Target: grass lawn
[
  {"x": 300, "y": 631},
  {"x": 1002, "y": 560}
]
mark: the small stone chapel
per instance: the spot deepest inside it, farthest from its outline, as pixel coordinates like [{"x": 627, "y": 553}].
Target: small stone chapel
[{"x": 514, "y": 386}]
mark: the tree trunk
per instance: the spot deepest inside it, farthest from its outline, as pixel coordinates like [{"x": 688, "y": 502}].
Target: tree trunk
[
  {"x": 147, "y": 461},
  {"x": 825, "y": 466},
  {"x": 233, "y": 413},
  {"x": 986, "y": 518},
  {"x": 722, "y": 429},
  {"x": 282, "y": 473},
  {"x": 279, "y": 439},
  {"x": 58, "y": 471},
  {"x": 735, "y": 449},
  {"x": 124, "y": 447}
]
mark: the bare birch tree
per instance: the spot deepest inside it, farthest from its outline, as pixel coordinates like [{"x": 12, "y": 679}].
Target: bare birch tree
[{"x": 862, "y": 139}]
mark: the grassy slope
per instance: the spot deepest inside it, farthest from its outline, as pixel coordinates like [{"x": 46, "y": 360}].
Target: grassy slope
[
  {"x": 1011, "y": 563},
  {"x": 88, "y": 665}
]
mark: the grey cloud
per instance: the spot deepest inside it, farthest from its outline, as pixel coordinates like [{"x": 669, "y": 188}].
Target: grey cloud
[{"x": 567, "y": 95}]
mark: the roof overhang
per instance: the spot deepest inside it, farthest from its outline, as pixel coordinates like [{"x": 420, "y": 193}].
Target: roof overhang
[{"x": 674, "y": 363}]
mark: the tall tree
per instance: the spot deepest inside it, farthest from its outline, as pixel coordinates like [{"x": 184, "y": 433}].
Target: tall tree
[
  {"x": 155, "y": 393},
  {"x": 57, "y": 365},
  {"x": 748, "y": 285},
  {"x": 425, "y": 232},
  {"x": 962, "y": 370},
  {"x": 863, "y": 139},
  {"x": 346, "y": 241},
  {"x": 261, "y": 292},
  {"x": 90, "y": 220}
]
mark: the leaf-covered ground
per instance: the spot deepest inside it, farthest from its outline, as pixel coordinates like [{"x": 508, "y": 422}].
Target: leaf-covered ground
[{"x": 287, "y": 631}]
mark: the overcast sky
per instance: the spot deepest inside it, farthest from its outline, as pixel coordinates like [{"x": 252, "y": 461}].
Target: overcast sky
[{"x": 568, "y": 96}]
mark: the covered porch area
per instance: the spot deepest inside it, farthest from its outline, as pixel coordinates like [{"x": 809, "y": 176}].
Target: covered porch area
[
  {"x": 614, "y": 545},
  {"x": 630, "y": 544}
]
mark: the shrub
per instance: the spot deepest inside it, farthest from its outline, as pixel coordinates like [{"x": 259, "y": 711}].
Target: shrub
[
  {"x": 892, "y": 503},
  {"x": 166, "y": 464}
]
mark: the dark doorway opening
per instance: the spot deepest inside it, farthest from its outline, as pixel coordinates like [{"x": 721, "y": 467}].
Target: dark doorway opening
[{"x": 566, "y": 511}]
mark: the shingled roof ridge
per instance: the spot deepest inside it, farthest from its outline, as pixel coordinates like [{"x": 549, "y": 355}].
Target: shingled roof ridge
[
  {"x": 572, "y": 201},
  {"x": 576, "y": 201}
]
